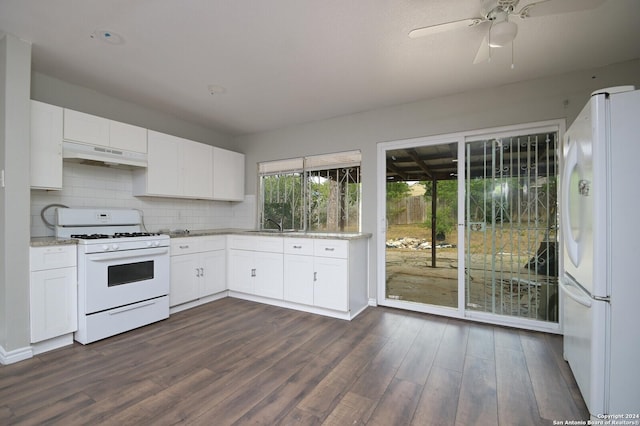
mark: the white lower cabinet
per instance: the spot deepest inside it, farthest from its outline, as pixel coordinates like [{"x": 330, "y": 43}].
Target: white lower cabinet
[
  {"x": 256, "y": 266},
  {"x": 268, "y": 275},
  {"x": 53, "y": 292},
  {"x": 185, "y": 275},
  {"x": 198, "y": 268},
  {"x": 319, "y": 275},
  {"x": 241, "y": 271},
  {"x": 214, "y": 273},
  {"x": 298, "y": 278},
  {"x": 316, "y": 273},
  {"x": 331, "y": 286}
]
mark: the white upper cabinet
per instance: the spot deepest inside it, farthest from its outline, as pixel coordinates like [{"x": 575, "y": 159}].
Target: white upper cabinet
[
  {"x": 86, "y": 128},
  {"x": 99, "y": 131},
  {"x": 228, "y": 175},
  {"x": 182, "y": 168},
  {"x": 46, "y": 146},
  {"x": 176, "y": 167},
  {"x": 196, "y": 169},
  {"x": 162, "y": 175},
  {"x": 127, "y": 137}
]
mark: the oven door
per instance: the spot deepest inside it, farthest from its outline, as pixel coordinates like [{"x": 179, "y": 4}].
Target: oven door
[{"x": 113, "y": 279}]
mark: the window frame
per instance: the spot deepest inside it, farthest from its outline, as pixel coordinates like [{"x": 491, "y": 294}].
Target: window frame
[{"x": 307, "y": 168}]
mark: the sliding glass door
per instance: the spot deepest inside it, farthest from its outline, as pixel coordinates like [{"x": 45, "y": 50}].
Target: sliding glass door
[
  {"x": 511, "y": 251},
  {"x": 470, "y": 225},
  {"x": 422, "y": 233}
]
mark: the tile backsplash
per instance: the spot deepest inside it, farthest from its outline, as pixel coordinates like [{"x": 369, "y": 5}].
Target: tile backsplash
[{"x": 94, "y": 186}]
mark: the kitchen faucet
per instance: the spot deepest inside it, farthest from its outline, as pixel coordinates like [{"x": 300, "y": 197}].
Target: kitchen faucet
[{"x": 278, "y": 224}]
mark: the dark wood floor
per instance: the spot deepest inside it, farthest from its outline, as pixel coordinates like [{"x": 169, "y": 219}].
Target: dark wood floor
[{"x": 237, "y": 362}]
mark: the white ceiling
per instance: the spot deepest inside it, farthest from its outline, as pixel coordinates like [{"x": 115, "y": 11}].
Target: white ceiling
[{"x": 284, "y": 62}]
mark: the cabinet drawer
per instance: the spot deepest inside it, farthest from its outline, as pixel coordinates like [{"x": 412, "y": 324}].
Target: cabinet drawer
[
  {"x": 213, "y": 243},
  {"x": 302, "y": 246},
  {"x": 331, "y": 248},
  {"x": 268, "y": 244},
  {"x": 52, "y": 257},
  {"x": 186, "y": 245}
]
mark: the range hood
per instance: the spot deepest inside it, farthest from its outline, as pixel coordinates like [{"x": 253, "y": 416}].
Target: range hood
[{"x": 102, "y": 156}]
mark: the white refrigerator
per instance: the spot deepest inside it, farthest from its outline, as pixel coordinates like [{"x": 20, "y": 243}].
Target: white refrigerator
[{"x": 600, "y": 280}]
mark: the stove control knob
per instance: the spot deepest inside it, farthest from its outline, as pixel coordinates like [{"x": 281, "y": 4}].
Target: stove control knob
[
  {"x": 156, "y": 243},
  {"x": 149, "y": 244},
  {"x": 105, "y": 247},
  {"x": 114, "y": 247}
]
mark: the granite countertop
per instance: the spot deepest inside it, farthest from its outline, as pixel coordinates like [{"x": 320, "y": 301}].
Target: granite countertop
[
  {"x": 285, "y": 234},
  {"x": 52, "y": 241}
]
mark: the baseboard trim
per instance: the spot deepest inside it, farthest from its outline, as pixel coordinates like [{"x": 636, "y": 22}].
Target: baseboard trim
[
  {"x": 198, "y": 302},
  {"x": 16, "y": 355},
  {"x": 51, "y": 344}
]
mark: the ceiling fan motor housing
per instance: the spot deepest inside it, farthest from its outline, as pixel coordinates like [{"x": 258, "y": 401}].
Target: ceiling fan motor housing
[{"x": 490, "y": 8}]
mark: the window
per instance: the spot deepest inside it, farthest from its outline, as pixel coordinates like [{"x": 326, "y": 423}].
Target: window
[{"x": 318, "y": 193}]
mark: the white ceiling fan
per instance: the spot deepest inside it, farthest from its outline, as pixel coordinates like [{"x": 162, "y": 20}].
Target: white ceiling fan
[{"x": 495, "y": 17}]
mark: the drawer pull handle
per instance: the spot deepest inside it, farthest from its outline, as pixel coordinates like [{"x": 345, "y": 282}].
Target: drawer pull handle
[
  {"x": 253, "y": 272},
  {"x": 184, "y": 247},
  {"x": 315, "y": 276},
  {"x": 297, "y": 247},
  {"x": 329, "y": 249}
]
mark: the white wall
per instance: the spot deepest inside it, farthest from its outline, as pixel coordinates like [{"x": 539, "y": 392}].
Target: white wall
[
  {"x": 558, "y": 97},
  {"x": 94, "y": 186},
  {"x": 15, "y": 69}
]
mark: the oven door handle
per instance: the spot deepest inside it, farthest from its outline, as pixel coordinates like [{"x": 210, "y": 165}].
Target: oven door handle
[{"x": 127, "y": 254}]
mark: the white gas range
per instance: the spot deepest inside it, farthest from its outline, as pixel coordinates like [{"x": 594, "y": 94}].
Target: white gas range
[{"x": 123, "y": 272}]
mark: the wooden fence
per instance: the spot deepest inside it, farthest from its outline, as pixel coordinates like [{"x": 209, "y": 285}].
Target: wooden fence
[{"x": 407, "y": 210}]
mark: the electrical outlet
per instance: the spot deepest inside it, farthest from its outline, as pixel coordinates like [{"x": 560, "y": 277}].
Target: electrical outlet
[{"x": 2, "y": 178}]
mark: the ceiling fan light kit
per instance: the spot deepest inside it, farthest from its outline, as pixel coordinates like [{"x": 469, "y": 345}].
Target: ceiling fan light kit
[
  {"x": 499, "y": 30},
  {"x": 502, "y": 33}
]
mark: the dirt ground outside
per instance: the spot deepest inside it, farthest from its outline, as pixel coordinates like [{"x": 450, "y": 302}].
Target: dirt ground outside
[{"x": 514, "y": 290}]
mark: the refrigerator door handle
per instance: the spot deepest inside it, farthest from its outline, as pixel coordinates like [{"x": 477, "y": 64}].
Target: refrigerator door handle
[
  {"x": 576, "y": 294},
  {"x": 572, "y": 245}
]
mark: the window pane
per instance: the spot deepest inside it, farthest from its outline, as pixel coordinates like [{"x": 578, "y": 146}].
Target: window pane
[
  {"x": 282, "y": 201},
  {"x": 317, "y": 193},
  {"x": 334, "y": 200}
]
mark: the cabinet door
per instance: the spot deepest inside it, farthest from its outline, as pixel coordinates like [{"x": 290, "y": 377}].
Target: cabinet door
[
  {"x": 53, "y": 303},
  {"x": 298, "y": 279},
  {"x": 196, "y": 169},
  {"x": 163, "y": 172},
  {"x": 269, "y": 275},
  {"x": 127, "y": 137},
  {"x": 185, "y": 277},
  {"x": 331, "y": 287},
  {"x": 86, "y": 128},
  {"x": 241, "y": 271},
  {"x": 214, "y": 275},
  {"x": 228, "y": 175},
  {"x": 46, "y": 146}
]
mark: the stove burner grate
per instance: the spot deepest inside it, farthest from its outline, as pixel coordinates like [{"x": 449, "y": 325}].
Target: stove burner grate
[
  {"x": 133, "y": 234},
  {"x": 89, "y": 236}
]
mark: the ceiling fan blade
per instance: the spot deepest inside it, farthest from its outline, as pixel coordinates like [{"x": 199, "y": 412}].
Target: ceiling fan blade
[
  {"x": 555, "y": 7},
  {"x": 484, "y": 51},
  {"x": 448, "y": 26}
]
